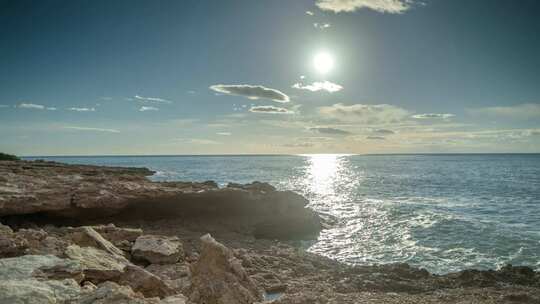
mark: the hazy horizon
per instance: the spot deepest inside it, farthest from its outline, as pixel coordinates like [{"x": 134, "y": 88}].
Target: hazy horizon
[{"x": 269, "y": 77}]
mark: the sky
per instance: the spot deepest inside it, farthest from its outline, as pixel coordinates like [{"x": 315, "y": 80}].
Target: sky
[{"x": 269, "y": 77}]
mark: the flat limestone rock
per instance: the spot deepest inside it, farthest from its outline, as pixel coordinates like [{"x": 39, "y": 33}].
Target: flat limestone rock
[
  {"x": 32, "y": 291},
  {"x": 158, "y": 249},
  {"x": 31, "y": 279},
  {"x": 219, "y": 278}
]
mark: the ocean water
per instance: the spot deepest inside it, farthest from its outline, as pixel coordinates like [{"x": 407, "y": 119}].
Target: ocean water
[{"x": 440, "y": 212}]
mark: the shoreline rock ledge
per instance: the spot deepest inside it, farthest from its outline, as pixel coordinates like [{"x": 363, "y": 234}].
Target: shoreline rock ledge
[{"x": 54, "y": 193}]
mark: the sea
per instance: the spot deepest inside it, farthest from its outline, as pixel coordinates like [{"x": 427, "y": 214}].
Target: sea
[{"x": 441, "y": 212}]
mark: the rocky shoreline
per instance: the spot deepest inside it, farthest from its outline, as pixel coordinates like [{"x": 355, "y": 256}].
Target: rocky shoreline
[{"x": 90, "y": 234}]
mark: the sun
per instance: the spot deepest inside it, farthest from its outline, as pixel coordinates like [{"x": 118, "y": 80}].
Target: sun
[{"x": 323, "y": 62}]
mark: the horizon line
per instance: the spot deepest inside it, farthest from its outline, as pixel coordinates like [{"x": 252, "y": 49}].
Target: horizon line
[{"x": 280, "y": 154}]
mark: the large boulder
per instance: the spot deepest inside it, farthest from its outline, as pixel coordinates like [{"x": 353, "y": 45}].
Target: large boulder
[
  {"x": 219, "y": 278},
  {"x": 158, "y": 249}
]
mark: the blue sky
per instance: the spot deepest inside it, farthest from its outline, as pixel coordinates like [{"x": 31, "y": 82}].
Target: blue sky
[{"x": 189, "y": 77}]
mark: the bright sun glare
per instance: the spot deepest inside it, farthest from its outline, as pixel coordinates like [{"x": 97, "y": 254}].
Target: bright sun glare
[{"x": 323, "y": 62}]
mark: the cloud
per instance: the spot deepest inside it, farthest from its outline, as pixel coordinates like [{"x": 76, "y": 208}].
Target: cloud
[
  {"x": 145, "y": 108},
  {"x": 198, "y": 141},
  {"x": 270, "y": 110},
  {"x": 321, "y": 26},
  {"x": 376, "y": 137},
  {"x": 310, "y": 13},
  {"x": 82, "y": 109},
  {"x": 328, "y": 130},
  {"x": 298, "y": 145},
  {"x": 381, "y": 6},
  {"x": 224, "y": 133},
  {"x": 364, "y": 114},
  {"x": 151, "y": 99},
  {"x": 521, "y": 111},
  {"x": 251, "y": 91},
  {"x": 318, "y": 86},
  {"x": 433, "y": 116},
  {"x": 50, "y": 108},
  {"x": 92, "y": 129},
  {"x": 31, "y": 106},
  {"x": 383, "y": 132}
]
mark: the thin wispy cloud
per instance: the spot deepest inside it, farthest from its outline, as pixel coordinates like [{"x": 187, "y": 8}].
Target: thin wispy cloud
[
  {"x": 251, "y": 91},
  {"x": 327, "y": 86},
  {"x": 376, "y": 137},
  {"x": 521, "y": 111},
  {"x": 197, "y": 141},
  {"x": 383, "y": 131},
  {"x": 329, "y": 131},
  {"x": 148, "y": 108},
  {"x": 433, "y": 116},
  {"x": 151, "y": 99},
  {"x": 310, "y": 13},
  {"x": 91, "y": 129},
  {"x": 82, "y": 109},
  {"x": 382, "y": 6},
  {"x": 270, "y": 110},
  {"x": 321, "y": 26},
  {"x": 31, "y": 106},
  {"x": 224, "y": 133},
  {"x": 363, "y": 113}
]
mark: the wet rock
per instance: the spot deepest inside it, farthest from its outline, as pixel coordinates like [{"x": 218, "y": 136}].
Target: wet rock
[
  {"x": 158, "y": 249},
  {"x": 219, "y": 278},
  {"x": 254, "y": 186}
]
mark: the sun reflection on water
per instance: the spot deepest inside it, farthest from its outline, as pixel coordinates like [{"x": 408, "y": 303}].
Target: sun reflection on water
[{"x": 326, "y": 181}]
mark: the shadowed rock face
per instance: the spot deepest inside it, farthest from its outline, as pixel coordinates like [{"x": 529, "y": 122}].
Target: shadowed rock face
[
  {"x": 79, "y": 194},
  {"x": 219, "y": 278}
]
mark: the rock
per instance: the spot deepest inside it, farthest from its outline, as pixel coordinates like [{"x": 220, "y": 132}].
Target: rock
[
  {"x": 22, "y": 280},
  {"x": 158, "y": 249},
  {"x": 254, "y": 186},
  {"x": 11, "y": 244},
  {"x": 112, "y": 293},
  {"x": 122, "y": 238},
  {"x": 176, "y": 276},
  {"x": 32, "y": 291},
  {"x": 87, "y": 236},
  {"x": 145, "y": 282},
  {"x": 98, "y": 265},
  {"x": 64, "y": 194},
  {"x": 219, "y": 278},
  {"x": 176, "y": 299},
  {"x": 30, "y": 266}
]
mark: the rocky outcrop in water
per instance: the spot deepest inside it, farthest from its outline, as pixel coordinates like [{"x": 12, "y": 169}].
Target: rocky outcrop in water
[{"x": 74, "y": 194}]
